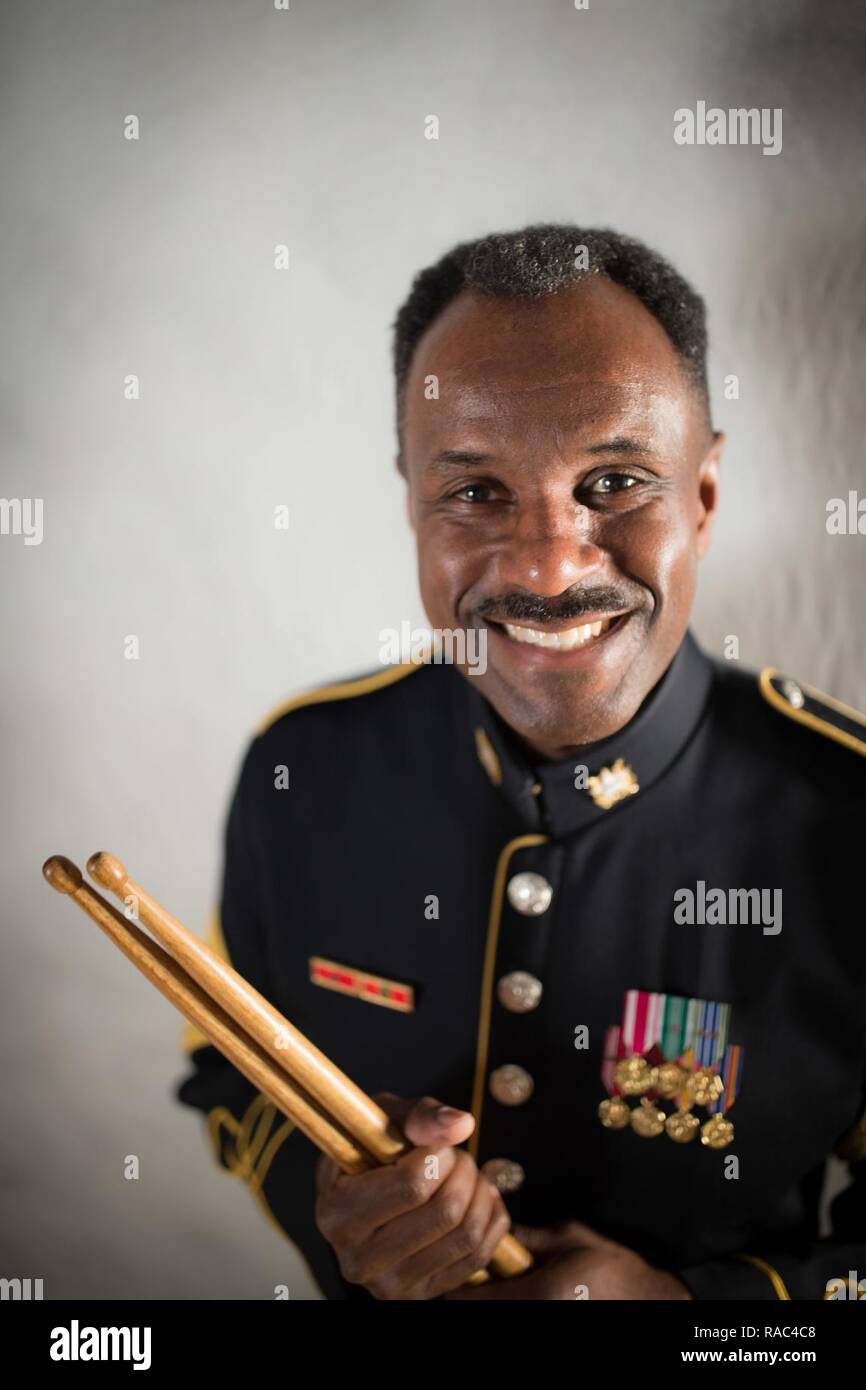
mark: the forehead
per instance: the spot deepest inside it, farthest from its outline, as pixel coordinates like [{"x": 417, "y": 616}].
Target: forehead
[{"x": 586, "y": 356}]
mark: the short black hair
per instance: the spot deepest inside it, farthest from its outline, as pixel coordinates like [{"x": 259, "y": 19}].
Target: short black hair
[{"x": 540, "y": 260}]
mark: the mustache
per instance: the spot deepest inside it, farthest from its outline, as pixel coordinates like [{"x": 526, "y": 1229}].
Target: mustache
[{"x": 574, "y": 603}]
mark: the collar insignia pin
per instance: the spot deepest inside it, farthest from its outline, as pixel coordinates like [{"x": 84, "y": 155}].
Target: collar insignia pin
[{"x": 612, "y": 784}]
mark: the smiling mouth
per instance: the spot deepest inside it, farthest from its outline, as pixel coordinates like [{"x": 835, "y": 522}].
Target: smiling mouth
[{"x": 566, "y": 641}]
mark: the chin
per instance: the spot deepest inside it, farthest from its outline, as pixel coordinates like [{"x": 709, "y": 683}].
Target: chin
[{"x": 559, "y": 714}]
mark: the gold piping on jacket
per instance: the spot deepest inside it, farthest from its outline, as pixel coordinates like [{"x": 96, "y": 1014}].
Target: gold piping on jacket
[
  {"x": 772, "y": 1274},
  {"x": 488, "y": 757},
  {"x": 812, "y": 721},
  {"x": 345, "y": 690},
  {"x": 255, "y": 1148},
  {"x": 522, "y": 842},
  {"x": 249, "y": 1140},
  {"x": 249, "y": 1134}
]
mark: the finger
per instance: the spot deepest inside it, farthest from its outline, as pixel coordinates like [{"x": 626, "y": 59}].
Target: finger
[
  {"x": 398, "y": 1107},
  {"x": 393, "y": 1245},
  {"x": 560, "y": 1238},
  {"x": 525, "y": 1287},
  {"x": 575, "y": 1233},
  {"x": 429, "y": 1123},
  {"x": 535, "y": 1238},
  {"x": 426, "y": 1121},
  {"x": 456, "y": 1274},
  {"x": 475, "y": 1220},
  {"x": 371, "y": 1253},
  {"x": 359, "y": 1204}
]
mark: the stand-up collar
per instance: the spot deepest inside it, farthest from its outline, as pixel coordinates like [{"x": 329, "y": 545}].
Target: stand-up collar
[{"x": 618, "y": 769}]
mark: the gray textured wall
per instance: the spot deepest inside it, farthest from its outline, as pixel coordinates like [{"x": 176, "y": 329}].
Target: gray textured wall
[{"x": 259, "y": 387}]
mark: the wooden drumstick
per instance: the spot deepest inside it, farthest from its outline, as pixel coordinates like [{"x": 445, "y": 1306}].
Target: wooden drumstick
[
  {"x": 172, "y": 981},
  {"x": 285, "y": 1045},
  {"x": 349, "y": 1106}
]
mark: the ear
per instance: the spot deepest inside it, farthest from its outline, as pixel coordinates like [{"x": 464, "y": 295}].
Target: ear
[{"x": 708, "y": 491}]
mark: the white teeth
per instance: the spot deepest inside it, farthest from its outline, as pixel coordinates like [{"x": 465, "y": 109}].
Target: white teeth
[{"x": 559, "y": 641}]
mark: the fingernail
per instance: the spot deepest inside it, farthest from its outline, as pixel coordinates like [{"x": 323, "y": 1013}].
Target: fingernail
[{"x": 446, "y": 1114}]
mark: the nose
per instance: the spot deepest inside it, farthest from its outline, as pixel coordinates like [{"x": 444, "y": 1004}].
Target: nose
[{"x": 547, "y": 551}]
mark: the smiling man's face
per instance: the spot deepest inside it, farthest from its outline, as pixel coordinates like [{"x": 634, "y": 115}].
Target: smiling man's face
[{"x": 561, "y": 490}]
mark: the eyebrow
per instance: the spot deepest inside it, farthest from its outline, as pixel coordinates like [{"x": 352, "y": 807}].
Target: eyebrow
[
  {"x": 459, "y": 458},
  {"x": 622, "y": 444},
  {"x": 467, "y": 458}
]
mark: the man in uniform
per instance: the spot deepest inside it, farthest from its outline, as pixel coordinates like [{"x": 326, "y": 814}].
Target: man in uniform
[{"x": 597, "y": 896}]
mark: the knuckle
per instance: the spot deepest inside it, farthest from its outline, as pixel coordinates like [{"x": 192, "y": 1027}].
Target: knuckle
[
  {"x": 451, "y": 1278},
  {"x": 464, "y": 1166},
  {"x": 412, "y": 1188},
  {"x": 352, "y": 1265},
  {"x": 326, "y": 1217},
  {"x": 322, "y": 1172},
  {"x": 568, "y": 1228},
  {"x": 450, "y": 1210},
  {"x": 468, "y": 1236},
  {"x": 415, "y": 1185},
  {"x": 386, "y": 1287},
  {"x": 348, "y": 1266},
  {"x": 494, "y": 1234}
]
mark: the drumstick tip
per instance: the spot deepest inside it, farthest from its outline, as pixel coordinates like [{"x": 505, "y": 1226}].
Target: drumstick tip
[
  {"x": 107, "y": 870},
  {"x": 62, "y": 874}
]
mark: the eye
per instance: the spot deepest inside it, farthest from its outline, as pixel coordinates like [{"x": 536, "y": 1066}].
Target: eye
[
  {"x": 473, "y": 492},
  {"x": 614, "y": 482}
]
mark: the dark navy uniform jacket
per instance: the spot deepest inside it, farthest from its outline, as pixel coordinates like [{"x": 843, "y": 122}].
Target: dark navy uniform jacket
[{"x": 409, "y": 811}]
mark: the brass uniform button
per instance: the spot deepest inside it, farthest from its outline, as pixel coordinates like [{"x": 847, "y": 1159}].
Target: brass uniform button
[
  {"x": 511, "y": 1085},
  {"x": 519, "y": 992},
  {"x": 529, "y": 894},
  {"x": 504, "y": 1173},
  {"x": 793, "y": 694}
]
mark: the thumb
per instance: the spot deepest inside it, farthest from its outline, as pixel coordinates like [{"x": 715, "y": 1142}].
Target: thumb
[{"x": 427, "y": 1122}]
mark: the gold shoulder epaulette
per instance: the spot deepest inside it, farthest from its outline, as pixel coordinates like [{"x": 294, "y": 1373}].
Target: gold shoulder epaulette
[
  {"x": 814, "y": 709},
  {"x": 341, "y": 690}
]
